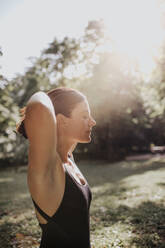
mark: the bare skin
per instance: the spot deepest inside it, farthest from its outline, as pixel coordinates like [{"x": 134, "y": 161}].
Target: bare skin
[{"x": 51, "y": 139}]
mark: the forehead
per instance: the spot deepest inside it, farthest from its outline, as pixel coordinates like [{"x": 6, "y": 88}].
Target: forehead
[{"x": 81, "y": 107}]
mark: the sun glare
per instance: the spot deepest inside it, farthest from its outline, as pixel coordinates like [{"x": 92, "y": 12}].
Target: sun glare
[{"x": 135, "y": 27}]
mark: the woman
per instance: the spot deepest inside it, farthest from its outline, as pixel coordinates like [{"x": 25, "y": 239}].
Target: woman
[{"x": 54, "y": 123}]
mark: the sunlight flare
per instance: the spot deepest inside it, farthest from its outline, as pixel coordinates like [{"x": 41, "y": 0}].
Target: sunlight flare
[{"x": 135, "y": 27}]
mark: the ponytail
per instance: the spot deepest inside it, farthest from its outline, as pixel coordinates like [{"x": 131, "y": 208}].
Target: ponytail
[{"x": 20, "y": 125}]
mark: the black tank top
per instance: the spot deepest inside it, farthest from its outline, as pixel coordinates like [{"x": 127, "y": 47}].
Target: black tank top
[{"x": 70, "y": 225}]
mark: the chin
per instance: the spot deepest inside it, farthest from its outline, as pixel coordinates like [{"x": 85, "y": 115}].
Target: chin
[
  {"x": 89, "y": 140},
  {"x": 86, "y": 140}
]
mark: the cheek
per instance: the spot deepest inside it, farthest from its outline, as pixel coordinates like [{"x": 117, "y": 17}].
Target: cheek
[
  {"x": 74, "y": 128},
  {"x": 78, "y": 127},
  {"x": 79, "y": 124}
]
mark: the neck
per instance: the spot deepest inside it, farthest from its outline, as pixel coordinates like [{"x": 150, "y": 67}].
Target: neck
[{"x": 64, "y": 148}]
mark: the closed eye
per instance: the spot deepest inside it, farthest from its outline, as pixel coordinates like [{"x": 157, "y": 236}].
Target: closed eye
[{"x": 86, "y": 117}]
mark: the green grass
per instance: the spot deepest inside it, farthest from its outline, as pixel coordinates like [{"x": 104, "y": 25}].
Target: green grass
[{"x": 127, "y": 210}]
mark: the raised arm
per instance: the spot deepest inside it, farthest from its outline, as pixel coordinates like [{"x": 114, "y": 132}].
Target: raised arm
[{"x": 40, "y": 124}]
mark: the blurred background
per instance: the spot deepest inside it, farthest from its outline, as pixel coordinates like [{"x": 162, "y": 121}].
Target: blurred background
[{"x": 113, "y": 51}]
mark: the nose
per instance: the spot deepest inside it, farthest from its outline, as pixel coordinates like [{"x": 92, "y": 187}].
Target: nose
[{"x": 92, "y": 122}]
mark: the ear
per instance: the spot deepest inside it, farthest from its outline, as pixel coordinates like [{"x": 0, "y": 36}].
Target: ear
[{"x": 62, "y": 119}]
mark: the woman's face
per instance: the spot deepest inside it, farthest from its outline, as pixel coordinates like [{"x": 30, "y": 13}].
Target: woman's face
[{"x": 80, "y": 123}]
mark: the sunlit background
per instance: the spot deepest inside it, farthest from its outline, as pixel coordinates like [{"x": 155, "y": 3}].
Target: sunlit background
[
  {"x": 136, "y": 28},
  {"x": 28, "y": 26}
]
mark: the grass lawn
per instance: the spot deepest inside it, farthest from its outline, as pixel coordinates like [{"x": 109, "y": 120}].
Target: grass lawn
[{"x": 127, "y": 210}]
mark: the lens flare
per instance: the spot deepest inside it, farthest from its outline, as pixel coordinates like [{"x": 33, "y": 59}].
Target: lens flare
[{"x": 135, "y": 27}]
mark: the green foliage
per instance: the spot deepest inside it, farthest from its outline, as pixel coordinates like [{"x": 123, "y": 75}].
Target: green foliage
[
  {"x": 153, "y": 100},
  {"x": 63, "y": 63},
  {"x": 116, "y": 105},
  {"x": 8, "y": 118},
  {"x": 129, "y": 112}
]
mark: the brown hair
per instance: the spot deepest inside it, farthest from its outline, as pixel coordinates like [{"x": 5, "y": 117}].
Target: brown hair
[{"x": 64, "y": 101}]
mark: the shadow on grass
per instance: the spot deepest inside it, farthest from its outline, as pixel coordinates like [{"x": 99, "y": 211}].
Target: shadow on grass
[
  {"x": 117, "y": 190},
  {"x": 147, "y": 222},
  {"x": 161, "y": 184},
  {"x": 16, "y": 210},
  {"x": 99, "y": 173},
  {"x": 6, "y": 234},
  {"x": 18, "y": 235},
  {"x": 14, "y": 192}
]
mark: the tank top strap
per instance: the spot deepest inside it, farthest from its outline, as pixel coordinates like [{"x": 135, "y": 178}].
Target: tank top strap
[
  {"x": 43, "y": 214},
  {"x": 71, "y": 158}
]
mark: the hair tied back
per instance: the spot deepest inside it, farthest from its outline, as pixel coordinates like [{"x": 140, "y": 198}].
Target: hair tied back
[{"x": 20, "y": 124}]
